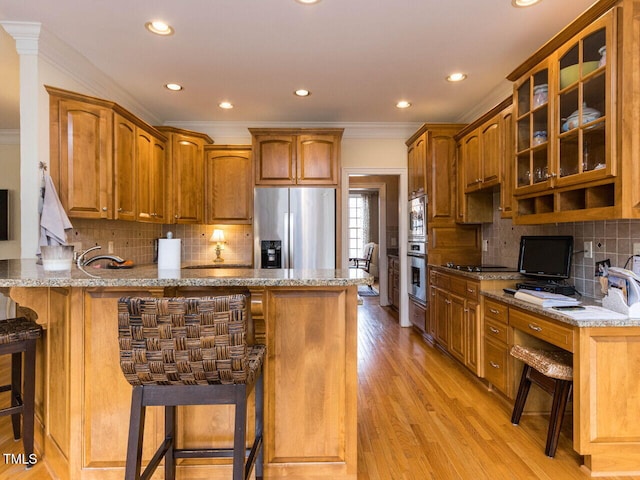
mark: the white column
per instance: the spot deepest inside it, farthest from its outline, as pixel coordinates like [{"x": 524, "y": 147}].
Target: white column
[{"x": 26, "y": 35}]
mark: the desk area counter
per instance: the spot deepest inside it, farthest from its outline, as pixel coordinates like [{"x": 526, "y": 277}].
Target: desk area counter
[
  {"x": 606, "y": 391},
  {"x": 307, "y": 320}
]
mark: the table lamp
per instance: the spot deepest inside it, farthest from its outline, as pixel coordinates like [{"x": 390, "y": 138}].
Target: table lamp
[{"x": 218, "y": 237}]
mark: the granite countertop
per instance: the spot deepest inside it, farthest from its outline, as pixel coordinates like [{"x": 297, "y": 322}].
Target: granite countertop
[
  {"x": 507, "y": 274},
  {"x": 557, "y": 315},
  {"x": 25, "y": 273}
]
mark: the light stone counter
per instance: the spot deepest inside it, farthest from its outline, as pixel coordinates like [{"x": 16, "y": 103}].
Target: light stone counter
[{"x": 25, "y": 273}]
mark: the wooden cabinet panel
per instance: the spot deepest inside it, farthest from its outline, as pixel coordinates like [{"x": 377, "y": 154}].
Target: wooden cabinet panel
[
  {"x": 457, "y": 327},
  {"x": 152, "y": 178},
  {"x": 187, "y": 174},
  {"x": 296, "y": 156},
  {"x": 472, "y": 337},
  {"x": 497, "y": 311},
  {"x": 496, "y": 359},
  {"x": 124, "y": 168},
  {"x": 507, "y": 180},
  {"x": 549, "y": 331},
  {"x": 417, "y": 315},
  {"x": 490, "y": 151},
  {"x": 442, "y": 314},
  {"x": 441, "y": 170},
  {"x": 417, "y": 164},
  {"x": 495, "y": 329},
  {"x": 393, "y": 284},
  {"x": 275, "y": 159},
  {"x": 229, "y": 184},
  {"x": 317, "y": 160},
  {"x": 82, "y": 161},
  {"x": 471, "y": 160}
]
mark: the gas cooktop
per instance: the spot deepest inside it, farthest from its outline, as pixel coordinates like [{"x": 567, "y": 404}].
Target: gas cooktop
[{"x": 478, "y": 268}]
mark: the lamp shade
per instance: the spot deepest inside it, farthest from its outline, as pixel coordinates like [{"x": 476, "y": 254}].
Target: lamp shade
[{"x": 217, "y": 236}]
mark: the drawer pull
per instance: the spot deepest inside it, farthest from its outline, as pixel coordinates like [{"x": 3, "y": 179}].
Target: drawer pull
[
  {"x": 494, "y": 365},
  {"x": 494, "y": 330},
  {"x": 471, "y": 290},
  {"x": 535, "y": 327},
  {"x": 494, "y": 311}
]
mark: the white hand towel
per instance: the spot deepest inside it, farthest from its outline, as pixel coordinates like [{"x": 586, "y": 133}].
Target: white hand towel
[{"x": 53, "y": 220}]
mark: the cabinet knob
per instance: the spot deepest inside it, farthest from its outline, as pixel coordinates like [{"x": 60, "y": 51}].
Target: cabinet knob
[
  {"x": 120, "y": 209},
  {"x": 176, "y": 216},
  {"x": 494, "y": 311},
  {"x": 494, "y": 365},
  {"x": 494, "y": 330},
  {"x": 104, "y": 209},
  {"x": 535, "y": 327},
  {"x": 499, "y": 209}
]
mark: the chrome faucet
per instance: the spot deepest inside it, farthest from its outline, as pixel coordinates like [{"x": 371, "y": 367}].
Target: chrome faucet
[{"x": 81, "y": 262}]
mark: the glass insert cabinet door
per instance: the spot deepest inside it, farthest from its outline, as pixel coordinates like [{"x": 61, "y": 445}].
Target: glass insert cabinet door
[
  {"x": 584, "y": 107},
  {"x": 532, "y": 130}
]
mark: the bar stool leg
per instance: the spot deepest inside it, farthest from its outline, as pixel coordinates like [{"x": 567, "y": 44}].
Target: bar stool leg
[
  {"x": 560, "y": 398},
  {"x": 136, "y": 432},
  {"x": 29, "y": 393},
  {"x": 16, "y": 390},
  {"x": 521, "y": 398},
  {"x": 169, "y": 434},
  {"x": 239, "y": 440}
]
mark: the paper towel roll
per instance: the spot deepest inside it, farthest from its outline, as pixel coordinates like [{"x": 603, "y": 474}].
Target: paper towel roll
[{"x": 169, "y": 251}]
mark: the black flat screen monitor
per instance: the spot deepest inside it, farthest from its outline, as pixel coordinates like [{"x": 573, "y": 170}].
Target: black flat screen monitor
[{"x": 546, "y": 257}]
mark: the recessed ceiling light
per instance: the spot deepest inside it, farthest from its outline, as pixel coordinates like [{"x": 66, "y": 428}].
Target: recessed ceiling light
[
  {"x": 301, "y": 92},
  {"x": 456, "y": 77},
  {"x": 174, "y": 87},
  {"x": 159, "y": 27},
  {"x": 403, "y": 104},
  {"x": 226, "y": 105},
  {"x": 523, "y": 3},
  {"x": 308, "y": 2}
]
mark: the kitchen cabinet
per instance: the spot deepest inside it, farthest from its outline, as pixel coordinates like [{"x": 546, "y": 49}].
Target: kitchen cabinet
[
  {"x": 97, "y": 160},
  {"x": 576, "y": 133},
  {"x": 496, "y": 348},
  {"x": 448, "y": 240},
  {"x": 417, "y": 315},
  {"x": 483, "y": 149},
  {"x": 81, "y": 149},
  {"x": 185, "y": 150},
  {"x": 296, "y": 156},
  {"x": 393, "y": 269},
  {"x": 507, "y": 154},
  {"x": 153, "y": 177},
  {"x": 417, "y": 165},
  {"x": 228, "y": 184}
]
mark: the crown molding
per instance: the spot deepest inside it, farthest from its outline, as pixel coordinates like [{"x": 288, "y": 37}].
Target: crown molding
[
  {"x": 503, "y": 90},
  {"x": 377, "y": 130},
  {"x": 10, "y": 137},
  {"x": 94, "y": 81}
]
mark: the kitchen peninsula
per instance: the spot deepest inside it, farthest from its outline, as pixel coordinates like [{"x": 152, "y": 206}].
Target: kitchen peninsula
[{"x": 307, "y": 319}]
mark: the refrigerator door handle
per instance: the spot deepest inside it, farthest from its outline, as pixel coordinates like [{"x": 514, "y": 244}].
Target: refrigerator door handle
[
  {"x": 292, "y": 247},
  {"x": 285, "y": 240}
]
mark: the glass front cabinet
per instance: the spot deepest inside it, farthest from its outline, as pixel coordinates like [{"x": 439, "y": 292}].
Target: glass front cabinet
[{"x": 565, "y": 123}]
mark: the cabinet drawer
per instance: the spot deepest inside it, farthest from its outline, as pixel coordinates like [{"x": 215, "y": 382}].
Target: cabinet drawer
[
  {"x": 417, "y": 315},
  {"x": 497, "y": 311},
  {"x": 458, "y": 286},
  {"x": 496, "y": 330},
  {"x": 472, "y": 290},
  {"x": 495, "y": 364},
  {"x": 559, "y": 335},
  {"x": 442, "y": 281}
]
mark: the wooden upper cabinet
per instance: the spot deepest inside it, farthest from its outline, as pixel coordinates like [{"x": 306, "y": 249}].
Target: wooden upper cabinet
[
  {"x": 317, "y": 159},
  {"x": 186, "y": 160},
  {"x": 490, "y": 151},
  {"x": 507, "y": 180},
  {"x": 296, "y": 156},
  {"x": 124, "y": 168},
  {"x": 228, "y": 184},
  {"x": 152, "y": 178},
  {"x": 441, "y": 154},
  {"x": 81, "y": 156},
  {"x": 417, "y": 166},
  {"x": 471, "y": 159}
]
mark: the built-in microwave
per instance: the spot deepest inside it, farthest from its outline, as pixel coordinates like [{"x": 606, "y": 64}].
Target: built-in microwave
[{"x": 418, "y": 219}]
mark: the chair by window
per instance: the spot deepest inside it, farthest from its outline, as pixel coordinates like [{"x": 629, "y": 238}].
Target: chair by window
[{"x": 363, "y": 262}]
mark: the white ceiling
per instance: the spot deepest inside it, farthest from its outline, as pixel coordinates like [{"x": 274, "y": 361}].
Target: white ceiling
[{"x": 358, "y": 57}]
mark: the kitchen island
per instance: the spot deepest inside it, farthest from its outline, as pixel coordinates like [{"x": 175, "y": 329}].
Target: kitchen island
[{"x": 307, "y": 319}]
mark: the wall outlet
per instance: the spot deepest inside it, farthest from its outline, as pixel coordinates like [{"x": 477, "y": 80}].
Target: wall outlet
[
  {"x": 485, "y": 245},
  {"x": 636, "y": 248},
  {"x": 110, "y": 247},
  {"x": 588, "y": 249}
]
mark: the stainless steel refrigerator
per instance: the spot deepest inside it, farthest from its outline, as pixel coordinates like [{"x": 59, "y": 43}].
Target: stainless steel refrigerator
[{"x": 295, "y": 228}]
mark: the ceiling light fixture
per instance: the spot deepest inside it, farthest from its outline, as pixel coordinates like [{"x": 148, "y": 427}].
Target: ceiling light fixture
[
  {"x": 523, "y": 3},
  {"x": 403, "y": 104},
  {"x": 456, "y": 77},
  {"x": 308, "y": 2},
  {"x": 301, "y": 92},
  {"x": 174, "y": 87},
  {"x": 226, "y": 105},
  {"x": 159, "y": 27}
]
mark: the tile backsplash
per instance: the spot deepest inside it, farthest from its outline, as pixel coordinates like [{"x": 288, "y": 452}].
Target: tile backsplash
[
  {"x": 135, "y": 241},
  {"x": 612, "y": 239}
]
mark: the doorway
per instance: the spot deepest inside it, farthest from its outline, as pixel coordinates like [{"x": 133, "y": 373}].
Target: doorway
[{"x": 382, "y": 191}]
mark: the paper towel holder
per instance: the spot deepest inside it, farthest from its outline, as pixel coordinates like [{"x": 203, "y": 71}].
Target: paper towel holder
[{"x": 218, "y": 237}]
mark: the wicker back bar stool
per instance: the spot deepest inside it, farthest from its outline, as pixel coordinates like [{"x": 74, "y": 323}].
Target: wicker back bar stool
[
  {"x": 551, "y": 370},
  {"x": 190, "y": 351},
  {"x": 18, "y": 336}
]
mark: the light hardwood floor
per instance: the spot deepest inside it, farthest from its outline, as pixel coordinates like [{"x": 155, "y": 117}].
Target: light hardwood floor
[{"x": 420, "y": 416}]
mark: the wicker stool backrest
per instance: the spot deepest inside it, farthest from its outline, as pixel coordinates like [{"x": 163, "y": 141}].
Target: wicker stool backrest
[{"x": 190, "y": 341}]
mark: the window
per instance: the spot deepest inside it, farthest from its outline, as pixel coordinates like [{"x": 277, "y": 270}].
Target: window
[{"x": 356, "y": 225}]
